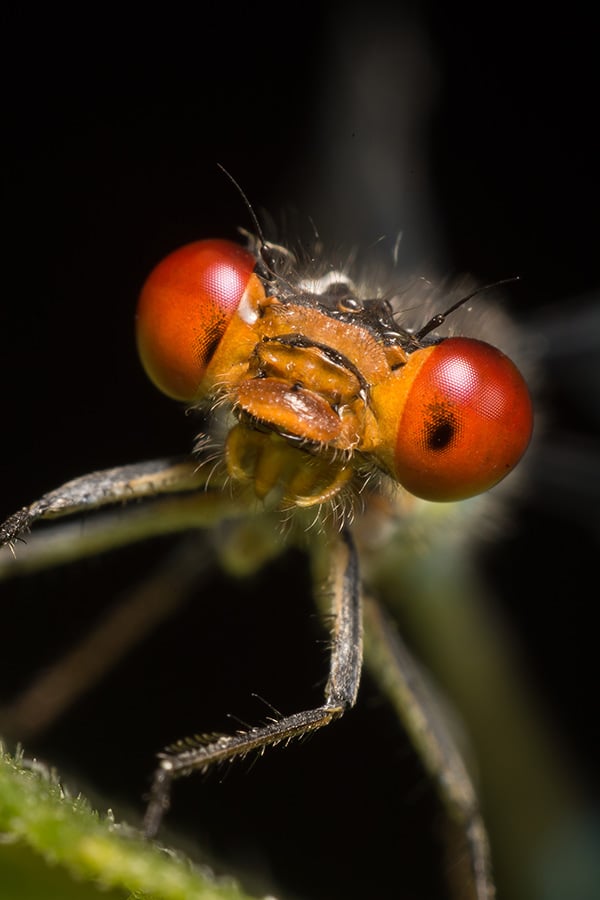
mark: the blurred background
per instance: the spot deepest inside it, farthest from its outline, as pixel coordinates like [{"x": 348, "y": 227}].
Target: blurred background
[{"x": 473, "y": 133}]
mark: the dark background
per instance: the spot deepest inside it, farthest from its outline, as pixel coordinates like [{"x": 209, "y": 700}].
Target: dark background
[{"x": 474, "y": 133}]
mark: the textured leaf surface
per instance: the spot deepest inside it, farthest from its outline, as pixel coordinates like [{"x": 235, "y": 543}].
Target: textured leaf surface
[{"x": 53, "y": 845}]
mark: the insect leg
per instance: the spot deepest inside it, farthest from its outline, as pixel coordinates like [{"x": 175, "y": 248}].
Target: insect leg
[
  {"x": 340, "y": 694},
  {"x": 118, "y": 485},
  {"x": 202, "y": 506},
  {"x": 427, "y": 724}
]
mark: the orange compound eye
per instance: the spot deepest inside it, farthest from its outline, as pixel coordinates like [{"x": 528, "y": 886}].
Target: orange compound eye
[
  {"x": 466, "y": 422},
  {"x": 184, "y": 309}
]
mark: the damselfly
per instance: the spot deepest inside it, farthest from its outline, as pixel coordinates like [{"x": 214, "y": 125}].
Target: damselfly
[{"x": 341, "y": 413}]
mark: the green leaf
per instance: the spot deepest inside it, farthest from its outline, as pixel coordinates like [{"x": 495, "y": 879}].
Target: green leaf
[{"x": 56, "y": 847}]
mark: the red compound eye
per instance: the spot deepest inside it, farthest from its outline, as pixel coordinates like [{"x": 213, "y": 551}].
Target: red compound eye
[
  {"x": 466, "y": 422},
  {"x": 184, "y": 309}
]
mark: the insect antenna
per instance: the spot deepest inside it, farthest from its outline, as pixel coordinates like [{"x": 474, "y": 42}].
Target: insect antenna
[
  {"x": 249, "y": 207},
  {"x": 270, "y": 254},
  {"x": 440, "y": 318}
]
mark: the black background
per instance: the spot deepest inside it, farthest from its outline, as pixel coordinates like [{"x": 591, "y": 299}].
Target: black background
[{"x": 113, "y": 130}]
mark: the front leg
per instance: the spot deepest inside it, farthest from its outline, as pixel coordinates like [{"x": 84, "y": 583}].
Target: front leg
[
  {"x": 181, "y": 495},
  {"x": 119, "y": 485},
  {"x": 200, "y": 753}
]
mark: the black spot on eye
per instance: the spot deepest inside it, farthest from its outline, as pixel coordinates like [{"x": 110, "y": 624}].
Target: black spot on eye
[
  {"x": 212, "y": 341},
  {"x": 440, "y": 433}
]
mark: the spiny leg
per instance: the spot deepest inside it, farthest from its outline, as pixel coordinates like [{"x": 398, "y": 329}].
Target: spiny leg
[
  {"x": 108, "y": 486},
  {"x": 391, "y": 663},
  {"x": 68, "y": 542},
  {"x": 340, "y": 694}
]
